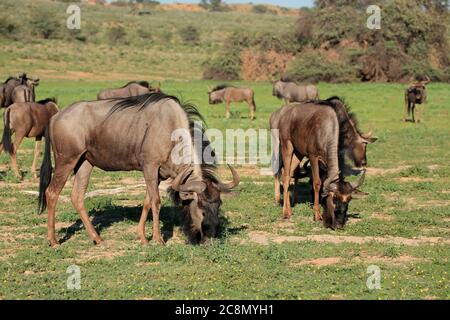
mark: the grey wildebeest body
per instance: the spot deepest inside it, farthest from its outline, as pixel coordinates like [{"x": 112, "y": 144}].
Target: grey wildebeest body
[
  {"x": 352, "y": 143},
  {"x": 314, "y": 130},
  {"x": 229, "y": 94},
  {"x": 131, "y": 89},
  {"x": 26, "y": 119},
  {"x": 416, "y": 93},
  {"x": 292, "y": 92},
  {"x": 7, "y": 89},
  {"x": 25, "y": 92},
  {"x": 135, "y": 133}
]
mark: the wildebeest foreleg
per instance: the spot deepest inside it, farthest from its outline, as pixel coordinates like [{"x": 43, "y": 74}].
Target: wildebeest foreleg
[
  {"x": 62, "y": 172},
  {"x": 143, "y": 220},
  {"x": 252, "y": 109},
  {"x": 37, "y": 149},
  {"x": 152, "y": 181},
  {"x": 227, "y": 109},
  {"x": 80, "y": 185},
  {"x": 287, "y": 152},
  {"x": 407, "y": 109},
  {"x": 413, "y": 106},
  {"x": 316, "y": 186}
]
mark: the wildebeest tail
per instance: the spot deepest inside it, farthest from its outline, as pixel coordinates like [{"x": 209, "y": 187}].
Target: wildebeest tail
[
  {"x": 45, "y": 173},
  {"x": 6, "y": 139}
]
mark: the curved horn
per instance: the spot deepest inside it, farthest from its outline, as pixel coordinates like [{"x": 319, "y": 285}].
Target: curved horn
[
  {"x": 176, "y": 183},
  {"x": 327, "y": 183},
  {"x": 358, "y": 183},
  {"x": 230, "y": 185}
]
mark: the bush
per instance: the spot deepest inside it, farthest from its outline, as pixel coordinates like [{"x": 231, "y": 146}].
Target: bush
[
  {"x": 46, "y": 24},
  {"x": 225, "y": 66},
  {"x": 261, "y": 9},
  {"x": 117, "y": 34},
  {"x": 314, "y": 67},
  {"x": 190, "y": 35}
]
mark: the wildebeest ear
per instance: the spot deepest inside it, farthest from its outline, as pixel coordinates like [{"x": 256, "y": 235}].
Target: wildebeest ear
[
  {"x": 358, "y": 194},
  {"x": 371, "y": 139}
]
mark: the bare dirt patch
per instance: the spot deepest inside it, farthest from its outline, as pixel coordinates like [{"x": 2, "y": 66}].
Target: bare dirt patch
[
  {"x": 264, "y": 238},
  {"x": 381, "y": 171},
  {"x": 319, "y": 262},
  {"x": 415, "y": 179},
  {"x": 428, "y": 203}
]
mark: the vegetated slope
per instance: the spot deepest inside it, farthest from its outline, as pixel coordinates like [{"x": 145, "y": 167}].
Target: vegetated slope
[{"x": 115, "y": 40}]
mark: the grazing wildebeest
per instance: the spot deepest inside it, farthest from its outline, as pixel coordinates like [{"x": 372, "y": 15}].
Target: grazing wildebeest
[
  {"x": 292, "y": 92},
  {"x": 7, "y": 88},
  {"x": 135, "y": 133},
  {"x": 25, "y": 92},
  {"x": 352, "y": 143},
  {"x": 416, "y": 93},
  {"x": 229, "y": 94},
  {"x": 26, "y": 119},
  {"x": 131, "y": 89},
  {"x": 313, "y": 130}
]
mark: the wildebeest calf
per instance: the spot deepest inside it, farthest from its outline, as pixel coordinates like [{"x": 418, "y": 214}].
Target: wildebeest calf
[
  {"x": 26, "y": 119},
  {"x": 228, "y": 94}
]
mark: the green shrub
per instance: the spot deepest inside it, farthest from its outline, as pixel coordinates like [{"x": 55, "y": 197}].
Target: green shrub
[
  {"x": 262, "y": 9},
  {"x": 117, "y": 34},
  {"x": 46, "y": 24},
  {"x": 314, "y": 67},
  {"x": 190, "y": 35}
]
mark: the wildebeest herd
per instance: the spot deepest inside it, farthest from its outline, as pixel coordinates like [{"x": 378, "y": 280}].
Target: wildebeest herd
[{"x": 310, "y": 137}]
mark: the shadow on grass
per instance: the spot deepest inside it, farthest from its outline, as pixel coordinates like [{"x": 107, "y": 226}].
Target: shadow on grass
[{"x": 170, "y": 217}]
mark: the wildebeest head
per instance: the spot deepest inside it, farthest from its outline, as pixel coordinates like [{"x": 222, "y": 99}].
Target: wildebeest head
[
  {"x": 215, "y": 96},
  {"x": 201, "y": 203},
  {"x": 358, "y": 148},
  {"x": 335, "y": 200},
  {"x": 278, "y": 89}
]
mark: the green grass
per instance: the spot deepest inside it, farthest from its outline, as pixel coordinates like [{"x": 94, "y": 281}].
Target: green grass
[{"x": 411, "y": 201}]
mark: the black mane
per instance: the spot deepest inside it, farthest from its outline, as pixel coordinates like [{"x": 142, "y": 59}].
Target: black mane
[
  {"x": 10, "y": 78},
  {"x": 54, "y": 100},
  {"x": 145, "y": 84},
  {"x": 221, "y": 86}
]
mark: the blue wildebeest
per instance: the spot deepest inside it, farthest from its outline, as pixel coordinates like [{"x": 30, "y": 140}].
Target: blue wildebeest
[
  {"x": 135, "y": 133},
  {"x": 229, "y": 94},
  {"x": 352, "y": 143},
  {"x": 26, "y": 119},
  {"x": 416, "y": 93},
  {"x": 131, "y": 89},
  {"x": 7, "y": 89},
  {"x": 320, "y": 131},
  {"x": 292, "y": 92}
]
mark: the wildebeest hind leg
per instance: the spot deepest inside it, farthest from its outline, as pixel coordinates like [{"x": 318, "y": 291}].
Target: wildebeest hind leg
[
  {"x": 412, "y": 112},
  {"x": 80, "y": 185},
  {"x": 37, "y": 149},
  {"x": 17, "y": 142},
  {"x": 152, "y": 181},
  {"x": 143, "y": 219},
  {"x": 316, "y": 186},
  {"x": 62, "y": 172},
  {"x": 287, "y": 152}
]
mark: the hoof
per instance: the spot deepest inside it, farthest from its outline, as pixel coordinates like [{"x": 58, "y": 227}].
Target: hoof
[
  {"x": 53, "y": 243},
  {"x": 159, "y": 241}
]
